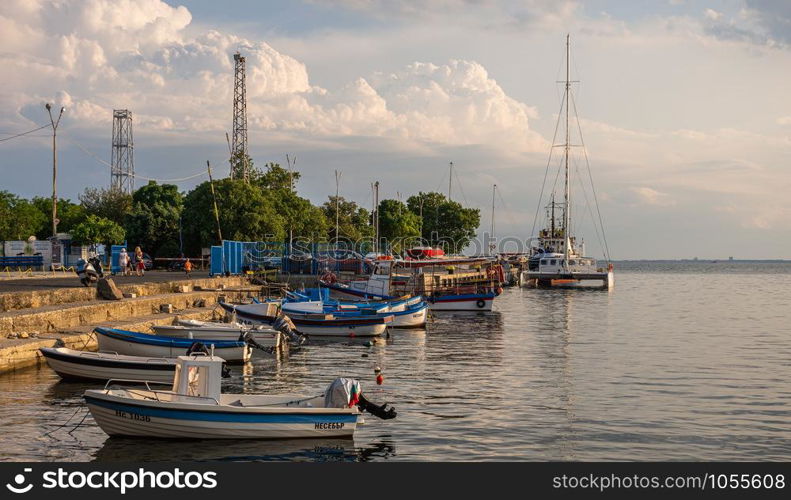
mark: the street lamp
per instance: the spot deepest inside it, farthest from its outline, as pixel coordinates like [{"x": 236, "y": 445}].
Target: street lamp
[{"x": 54, "y": 167}]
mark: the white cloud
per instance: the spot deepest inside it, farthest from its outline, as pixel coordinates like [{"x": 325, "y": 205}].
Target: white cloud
[
  {"x": 649, "y": 196},
  {"x": 712, "y": 14},
  {"x": 103, "y": 54}
]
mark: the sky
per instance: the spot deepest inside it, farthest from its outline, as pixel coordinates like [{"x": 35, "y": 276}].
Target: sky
[{"x": 683, "y": 105}]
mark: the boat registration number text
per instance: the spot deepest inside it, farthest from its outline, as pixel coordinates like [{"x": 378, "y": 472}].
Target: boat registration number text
[
  {"x": 132, "y": 416},
  {"x": 329, "y": 425}
]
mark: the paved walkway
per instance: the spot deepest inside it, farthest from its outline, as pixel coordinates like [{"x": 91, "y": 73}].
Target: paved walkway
[{"x": 71, "y": 280}]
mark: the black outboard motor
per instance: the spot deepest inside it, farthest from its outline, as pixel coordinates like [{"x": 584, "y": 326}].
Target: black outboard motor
[
  {"x": 284, "y": 325},
  {"x": 345, "y": 392},
  {"x": 249, "y": 339},
  {"x": 201, "y": 348},
  {"x": 89, "y": 271}
]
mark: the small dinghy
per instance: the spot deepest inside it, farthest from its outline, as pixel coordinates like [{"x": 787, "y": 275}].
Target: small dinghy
[
  {"x": 71, "y": 364},
  {"x": 196, "y": 409},
  {"x": 156, "y": 346}
]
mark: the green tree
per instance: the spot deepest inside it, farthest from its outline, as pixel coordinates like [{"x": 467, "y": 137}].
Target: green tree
[
  {"x": 95, "y": 229},
  {"x": 276, "y": 177},
  {"x": 111, "y": 204},
  {"x": 397, "y": 224},
  {"x": 19, "y": 219},
  {"x": 301, "y": 218},
  {"x": 153, "y": 222},
  {"x": 445, "y": 222},
  {"x": 246, "y": 214},
  {"x": 69, "y": 215},
  {"x": 354, "y": 221}
]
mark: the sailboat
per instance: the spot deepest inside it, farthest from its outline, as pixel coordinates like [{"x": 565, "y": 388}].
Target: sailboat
[{"x": 556, "y": 258}]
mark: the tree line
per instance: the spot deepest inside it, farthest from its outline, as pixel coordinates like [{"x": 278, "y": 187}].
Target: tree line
[{"x": 166, "y": 222}]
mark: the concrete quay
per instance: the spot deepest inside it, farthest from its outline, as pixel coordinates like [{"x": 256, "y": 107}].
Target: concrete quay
[{"x": 31, "y": 319}]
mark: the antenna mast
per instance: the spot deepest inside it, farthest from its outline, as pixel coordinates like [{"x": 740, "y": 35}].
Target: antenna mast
[
  {"x": 122, "y": 158},
  {"x": 239, "y": 144}
]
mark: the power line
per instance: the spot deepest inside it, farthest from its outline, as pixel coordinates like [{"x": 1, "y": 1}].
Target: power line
[
  {"x": 136, "y": 175},
  {"x": 24, "y": 133}
]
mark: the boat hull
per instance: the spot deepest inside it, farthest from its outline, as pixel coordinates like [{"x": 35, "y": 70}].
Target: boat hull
[
  {"x": 237, "y": 354},
  {"x": 337, "y": 327},
  {"x": 78, "y": 365},
  {"x": 125, "y": 417},
  {"x": 411, "y": 318},
  {"x": 471, "y": 302},
  {"x": 267, "y": 338}
]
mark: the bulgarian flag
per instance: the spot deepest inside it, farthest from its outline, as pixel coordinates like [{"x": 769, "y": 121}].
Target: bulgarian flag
[{"x": 354, "y": 397}]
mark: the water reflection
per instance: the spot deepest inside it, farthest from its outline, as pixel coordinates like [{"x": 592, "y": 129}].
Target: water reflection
[{"x": 116, "y": 449}]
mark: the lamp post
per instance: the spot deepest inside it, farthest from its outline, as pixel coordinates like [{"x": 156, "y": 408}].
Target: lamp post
[{"x": 54, "y": 167}]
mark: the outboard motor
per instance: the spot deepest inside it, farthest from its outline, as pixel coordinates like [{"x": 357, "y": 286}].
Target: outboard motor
[
  {"x": 284, "y": 325},
  {"x": 89, "y": 271},
  {"x": 346, "y": 392}
]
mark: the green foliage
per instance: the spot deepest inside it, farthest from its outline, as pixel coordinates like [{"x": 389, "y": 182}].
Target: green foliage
[
  {"x": 69, "y": 214},
  {"x": 397, "y": 224},
  {"x": 111, "y": 204},
  {"x": 275, "y": 178},
  {"x": 19, "y": 219},
  {"x": 246, "y": 214},
  {"x": 153, "y": 223},
  {"x": 445, "y": 222},
  {"x": 354, "y": 222},
  {"x": 300, "y": 216},
  {"x": 96, "y": 229}
]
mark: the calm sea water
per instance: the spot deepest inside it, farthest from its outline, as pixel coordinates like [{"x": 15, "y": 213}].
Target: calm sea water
[{"x": 681, "y": 361}]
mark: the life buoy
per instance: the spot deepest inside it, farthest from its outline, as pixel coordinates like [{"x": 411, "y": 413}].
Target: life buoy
[
  {"x": 328, "y": 277},
  {"x": 481, "y": 303}
]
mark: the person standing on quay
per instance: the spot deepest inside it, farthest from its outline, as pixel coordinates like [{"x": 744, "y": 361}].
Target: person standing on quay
[
  {"x": 188, "y": 267},
  {"x": 140, "y": 266},
  {"x": 123, "y": 262}
]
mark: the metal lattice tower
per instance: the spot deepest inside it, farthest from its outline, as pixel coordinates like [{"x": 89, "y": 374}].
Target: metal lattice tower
[
  {"x": 239, "y": 142},
  {"x": 122, "y": 158}
]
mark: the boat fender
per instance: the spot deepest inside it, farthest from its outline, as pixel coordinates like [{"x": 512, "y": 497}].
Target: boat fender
[{"x": 481, "y": 303}]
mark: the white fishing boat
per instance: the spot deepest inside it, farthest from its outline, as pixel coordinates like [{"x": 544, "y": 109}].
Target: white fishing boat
[
  {"x": 155, "y": 346},
  {"x": 195, "y": 408},
  {"x": 71, "y": 364},
  {"x": 556, "y": 257},
  {"x": 264, "y": 336}
]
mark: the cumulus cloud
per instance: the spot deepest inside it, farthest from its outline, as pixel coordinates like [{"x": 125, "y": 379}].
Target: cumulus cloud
[{"x": 96, "y": 55}]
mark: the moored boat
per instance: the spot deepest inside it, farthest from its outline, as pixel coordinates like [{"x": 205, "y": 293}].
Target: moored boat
[
  {"x": 264, "y": 336},
  {"x": 196, "y": 408},
  {"x": 71, "y": 364},
  {"x": 155, "y": 346},
  {"x": 557, "y": 258},
  {"x": 324, "y": 325}
]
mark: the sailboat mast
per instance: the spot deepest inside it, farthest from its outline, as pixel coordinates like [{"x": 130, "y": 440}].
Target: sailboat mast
[
  {"x": 450, "y": 180},
  {"x": 567, "y": 211},
  {"x": 491, "y": 234}
]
